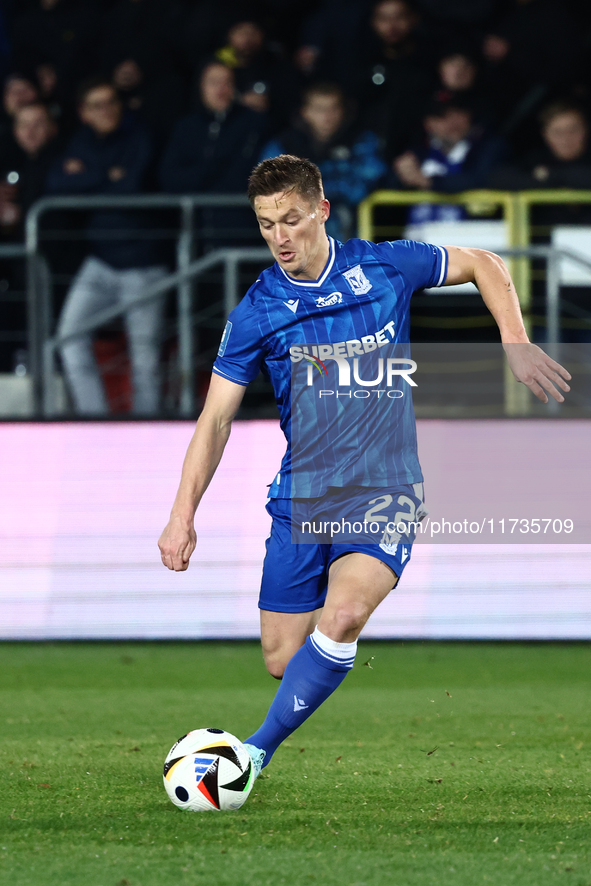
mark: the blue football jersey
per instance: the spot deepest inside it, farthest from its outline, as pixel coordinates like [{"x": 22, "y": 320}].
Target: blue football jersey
[{"x": 336, "y": 351}]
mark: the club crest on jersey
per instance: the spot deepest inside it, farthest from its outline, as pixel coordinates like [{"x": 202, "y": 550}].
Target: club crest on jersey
[
  {"x": 357, "y": 280},
  {"x": 327, "y": 301}
]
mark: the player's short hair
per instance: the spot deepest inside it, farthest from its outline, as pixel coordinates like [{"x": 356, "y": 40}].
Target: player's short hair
[
  {"x": 286, "y": 173},
  {"x": 557, "y": 108}
]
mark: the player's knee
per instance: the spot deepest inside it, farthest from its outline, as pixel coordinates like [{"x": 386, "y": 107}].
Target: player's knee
[{"x": 347, "y": 619}]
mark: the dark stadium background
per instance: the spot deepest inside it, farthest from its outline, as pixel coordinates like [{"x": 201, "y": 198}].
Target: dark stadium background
[{"x": 457, "y": 750}]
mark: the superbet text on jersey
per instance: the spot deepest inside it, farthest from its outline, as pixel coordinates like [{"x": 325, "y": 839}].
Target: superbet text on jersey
[{"x": 320, "y": 342}]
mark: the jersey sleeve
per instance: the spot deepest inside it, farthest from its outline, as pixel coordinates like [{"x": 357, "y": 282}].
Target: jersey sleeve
[
  {"x": 423, "y": 264},
  {"x": 241, "y": 349}
]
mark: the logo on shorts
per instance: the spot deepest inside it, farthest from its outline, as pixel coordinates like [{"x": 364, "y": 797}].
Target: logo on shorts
[{"x": 393, "y": 547}]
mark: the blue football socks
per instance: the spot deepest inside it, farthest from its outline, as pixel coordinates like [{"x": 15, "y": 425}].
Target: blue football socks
[{"x": 314, "y": 672}]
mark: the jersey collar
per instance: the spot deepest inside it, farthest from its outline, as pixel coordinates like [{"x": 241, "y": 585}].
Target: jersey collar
[{"x": 323, "y": 276}]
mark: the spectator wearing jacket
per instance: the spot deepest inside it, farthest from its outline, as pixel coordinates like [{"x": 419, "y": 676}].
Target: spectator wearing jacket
[
  {"x": 213, "y": 149},
  {"x": 563, "y": 160},
  {"x": 109, "y": 154},
  {"x": 394, "y": 83},
  {"x": 17, "y": 92},
  {"x": 459, "y": 79},
  {"x": 455, "y": 156},
  {"x": 36, "y": 139},
  {"x": 265, "y": 82},
  {"x": 350, "y": 160}
]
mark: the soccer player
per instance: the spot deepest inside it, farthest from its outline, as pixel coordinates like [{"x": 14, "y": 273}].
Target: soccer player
[{"x": 316, "y": 597}]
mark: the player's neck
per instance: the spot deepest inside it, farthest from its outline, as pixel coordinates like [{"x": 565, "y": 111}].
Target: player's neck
[{"x": 317, "y": 263}]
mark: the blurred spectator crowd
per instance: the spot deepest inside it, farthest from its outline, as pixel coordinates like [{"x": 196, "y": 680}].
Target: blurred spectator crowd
[
  {"x": 123, "y": 96},
  {"x": 185, "y": 96}
]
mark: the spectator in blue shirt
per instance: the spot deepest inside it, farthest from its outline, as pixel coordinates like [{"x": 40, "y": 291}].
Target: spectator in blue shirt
[
  {"x": 455, "y": 156},
  {"x": 350, "y": 160},
  {"x": 110, "y": 154}
]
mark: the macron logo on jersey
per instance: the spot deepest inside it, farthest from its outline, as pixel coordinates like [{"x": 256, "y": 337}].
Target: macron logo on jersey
[
  {"x": 292, "y": 304},
  {"x": 357, "y": 280}
]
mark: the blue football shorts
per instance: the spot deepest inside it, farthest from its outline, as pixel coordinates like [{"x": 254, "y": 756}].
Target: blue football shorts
[{"x": 307, "y": 535}]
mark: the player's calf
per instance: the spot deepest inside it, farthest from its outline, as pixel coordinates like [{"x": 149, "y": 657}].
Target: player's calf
[
  {"x": 282, "y": 634},
  {"x": 276, "y": 664}
]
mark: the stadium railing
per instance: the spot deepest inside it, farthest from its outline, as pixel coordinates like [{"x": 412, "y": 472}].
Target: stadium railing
[
  {"x": 42, "y": 344},
  {"x": 187, "y": 318},
  {"x": 11, "y": 251}
]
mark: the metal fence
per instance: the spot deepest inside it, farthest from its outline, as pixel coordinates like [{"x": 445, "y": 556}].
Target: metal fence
[
  {"x": 187, "y": 317},
  {"x": 42, "y": 343},
  {"x": 190, "y": 266},
  {"x": 516, "y": 209},
  {"x": 13, "y": 253}
]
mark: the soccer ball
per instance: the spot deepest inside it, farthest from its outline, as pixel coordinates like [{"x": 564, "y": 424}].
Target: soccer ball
[{"x": 208, "y": 769}]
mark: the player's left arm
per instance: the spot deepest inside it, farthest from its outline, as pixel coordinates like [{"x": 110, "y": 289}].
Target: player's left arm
[{"x": 528, "y": 362}]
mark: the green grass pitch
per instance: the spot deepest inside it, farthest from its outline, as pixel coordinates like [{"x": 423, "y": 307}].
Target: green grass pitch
[{"x": 437, "y": 764}]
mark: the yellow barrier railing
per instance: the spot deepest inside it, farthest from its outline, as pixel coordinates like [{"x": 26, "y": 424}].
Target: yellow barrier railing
[
  {"x": 476, "y": 201},
  {"x": 524, "y": 200},
  {"x": 516, "y": 208}
]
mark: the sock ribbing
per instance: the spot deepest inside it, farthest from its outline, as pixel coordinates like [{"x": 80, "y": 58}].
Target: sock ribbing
[{"x": 337, "y": 653}]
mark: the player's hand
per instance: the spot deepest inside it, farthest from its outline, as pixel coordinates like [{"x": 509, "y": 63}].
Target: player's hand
[
  {"x": 177, "y": 543},
  {"x": 534, "y": 368}
]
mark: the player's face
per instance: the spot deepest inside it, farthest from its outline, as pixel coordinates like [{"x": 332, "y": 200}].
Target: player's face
[{"x": 294, "y": 231}]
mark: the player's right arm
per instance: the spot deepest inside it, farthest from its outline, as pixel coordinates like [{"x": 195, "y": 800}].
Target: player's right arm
[{"x": 178, "y": 539}]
